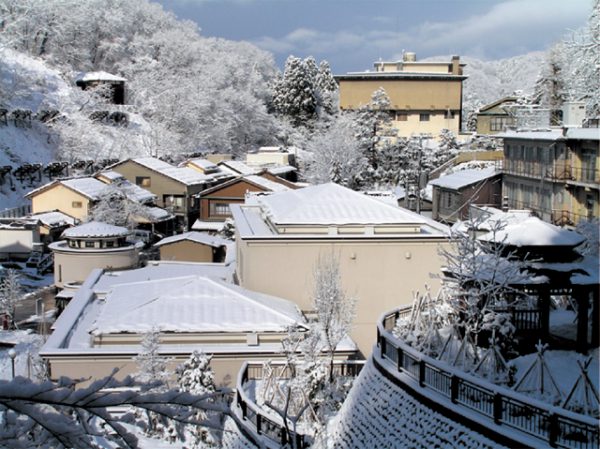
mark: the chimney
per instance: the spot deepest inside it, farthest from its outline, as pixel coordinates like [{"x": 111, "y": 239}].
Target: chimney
[{"x": 456, "y": 70}]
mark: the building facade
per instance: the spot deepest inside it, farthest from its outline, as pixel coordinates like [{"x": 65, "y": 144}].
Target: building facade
[
  {"x": 425, "y": 97},
  {"x": 385, "y": 253},
  {"x": 556, "y": 174}
]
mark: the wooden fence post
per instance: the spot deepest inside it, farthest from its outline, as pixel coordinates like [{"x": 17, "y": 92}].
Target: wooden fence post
[
  {"x": 497, "y": 408},
  {"x": 400, "y": 356},
  {"x": 553, "y": 430}
]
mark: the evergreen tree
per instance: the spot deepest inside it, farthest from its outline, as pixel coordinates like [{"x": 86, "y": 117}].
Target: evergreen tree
[
  {"x": 550, "y": 89},
  {"x": 196, "y": 376},
  {"x": 152, "y": 367},
  {"x": 327, "y": 88},
  {"x": 294, "y": 95}
]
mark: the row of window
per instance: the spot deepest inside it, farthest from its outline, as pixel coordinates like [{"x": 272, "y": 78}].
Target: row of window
[{"x": 423, "y": 117}]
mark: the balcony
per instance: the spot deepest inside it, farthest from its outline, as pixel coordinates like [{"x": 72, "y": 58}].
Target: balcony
[
  {"x": 559, "y": 172},
  {"x": 508, "y": 414}
]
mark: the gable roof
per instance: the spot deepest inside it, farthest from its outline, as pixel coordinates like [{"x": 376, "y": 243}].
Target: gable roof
[
  {"x": 464, "y": 178},
  {"x": 239, "y": 167},
  {"x": 183, "y": 175},
  {"x": 192, "y": 304},
  {"x": 193, "y": 236},
  {"x": 256, "y": 180},
  {"x": 332, "y": 204},
  {"x": 496, "y": 103},
  {"x": 54, "y": 219},
  {"x": 89, "y": 187}
]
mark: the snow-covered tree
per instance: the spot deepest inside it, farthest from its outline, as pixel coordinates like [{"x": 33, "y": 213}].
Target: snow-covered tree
[
  {"x": 550, "y": 90},
  {"x": 196, "y": 376},
  {"x": 327, "y": 89},
  {"x": 294, "y": 94},
  {"x": 583, "y": 52},
  {"x": 64, "y": 415},
  {"x": 11, "y": 293},
  {"x": 335, "y": 155},
  {"x": 334, "y": 309},
  {"x": 478, "y": 278},
  {"x": 152, "y": 367},
  {"x": 590, "y": 229},
  {"x": 119, "y": 207}
]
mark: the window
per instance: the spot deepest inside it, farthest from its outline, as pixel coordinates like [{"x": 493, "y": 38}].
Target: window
[
  {"x": 500, "y": 123},
  {"x": 401, "y": 116},
  {"x": 143, "y": 181},
  {"x": 423, "y": 117},
  {"x": 220, "y": 209},
  {"x": 76, "y": 204},
  {"x": 89, "y": 244},
  {"x": 110, "y": 244},
  {"x": 174, "y": 201}
]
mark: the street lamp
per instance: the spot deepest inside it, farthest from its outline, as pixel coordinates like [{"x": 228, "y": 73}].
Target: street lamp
[{"x": 12, "y": 354}]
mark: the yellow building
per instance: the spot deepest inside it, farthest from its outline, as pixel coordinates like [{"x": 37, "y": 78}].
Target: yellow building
[
  {"x": 425, "y": 97},
  {"x": 385, "y": 253},
  {"x": 554, "y": 173}
]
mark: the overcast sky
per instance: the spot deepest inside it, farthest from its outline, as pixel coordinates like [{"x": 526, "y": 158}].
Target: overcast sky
[{"x": 352, "y": 34}]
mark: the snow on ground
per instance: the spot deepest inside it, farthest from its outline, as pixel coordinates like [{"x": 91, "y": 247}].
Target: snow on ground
[
  {"x": 26, "y": 344},
  {"x": 563, "y": 366},
  {"x": 377, "y": 413}
]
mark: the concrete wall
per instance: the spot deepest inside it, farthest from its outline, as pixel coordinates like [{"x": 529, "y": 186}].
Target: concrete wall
[
  {"x": 268, "y": 158},
  {"x": 381, "y": 274},
  {"x": 437, "y": 122},
  {"x": 187, "y": 251},
  {"x": 61, "y": 198},
  {"x": 74, "y": 265}
]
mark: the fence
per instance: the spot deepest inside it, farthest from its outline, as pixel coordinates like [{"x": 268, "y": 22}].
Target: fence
[
  {"x": 271, "y": 426},
  {"x": 553, "y": 426},
  {"x": 16, "y": 212}
]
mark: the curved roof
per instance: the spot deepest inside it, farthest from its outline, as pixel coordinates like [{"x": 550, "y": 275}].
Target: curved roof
[
  {"x": 534, "y": 232},
  {"x": 95, "y": 229}
]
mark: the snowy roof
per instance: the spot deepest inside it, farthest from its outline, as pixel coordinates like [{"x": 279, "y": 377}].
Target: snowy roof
[
  {"x": 281, "y": 169},
  {"x": 239, "y": 167},
  {"x": 89, "y": 187},
  {"x": 464, "y": 178},
  {"x": 193, "y": 236},
  {"x": 267, "y": 183},
  {"x": 554, "y": 134},
  {"x": 99, "y": 76},
  {"x": 192, "y": 304},
  {"x": 184, "y": 175},
  {"x": 111, "y": 175},
  {"x": 135, "y": 192},
  {"x": 95, "y": 229},
  {"x": 204, "y": 164},
  {"x": 330, "y": 204},
  {"x": 54, "y": 219},
  {"x": 157, "y": 270},
  {"x": 200, "y": 225},
  {"x": 271, "y": 150},
  {"x": 534, "y": 232}
]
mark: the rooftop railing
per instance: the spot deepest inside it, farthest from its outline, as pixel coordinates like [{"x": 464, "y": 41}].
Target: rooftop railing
[{"x": 547, "y": 424}]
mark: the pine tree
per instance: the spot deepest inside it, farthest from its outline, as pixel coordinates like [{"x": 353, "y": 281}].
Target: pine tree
[
  {"x": 550, "y": 90},
  {"x": 152, "y": 367},
  {"x": 327, "y": 88}
]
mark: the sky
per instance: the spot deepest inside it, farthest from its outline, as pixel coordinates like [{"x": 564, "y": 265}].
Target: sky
[{"x": 352, "y": 34}]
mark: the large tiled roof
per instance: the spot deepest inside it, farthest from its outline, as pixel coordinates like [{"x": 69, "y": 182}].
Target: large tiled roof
[{"x": 184, "y": 175}]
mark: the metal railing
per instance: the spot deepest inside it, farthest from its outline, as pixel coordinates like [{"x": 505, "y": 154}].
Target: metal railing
[
  {"x": 552, "y": 425},
  {"x": 272, "y": 426}
]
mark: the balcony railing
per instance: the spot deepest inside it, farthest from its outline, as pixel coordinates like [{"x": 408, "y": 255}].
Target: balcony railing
[
  {"x": 267, "y": 424},
  {"x": 559, "y": 172},
  {"x": 549, "y": 425}
]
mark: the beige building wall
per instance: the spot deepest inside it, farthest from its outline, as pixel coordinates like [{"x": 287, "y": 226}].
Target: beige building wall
[
  {"x": 186, "y": 251},
  {"x": 75, "y": 265},
  {"x": 268, "y": 158},
  {"x": 63, "y": 199},
  {"x": 437, "y": 121},
  {"x": 381, "y": 274},
  {"x": 15, "y": 241},
  {"x": 410, "y": 95}
]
